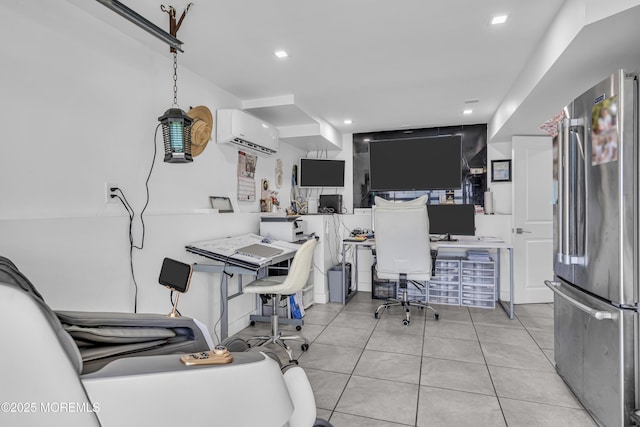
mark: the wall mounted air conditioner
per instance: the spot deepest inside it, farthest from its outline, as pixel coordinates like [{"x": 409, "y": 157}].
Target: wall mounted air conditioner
[{"x": 248, "y": 132}]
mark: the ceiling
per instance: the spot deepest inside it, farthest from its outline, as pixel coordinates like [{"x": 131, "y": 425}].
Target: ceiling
[{"x": 383, "y": 64}]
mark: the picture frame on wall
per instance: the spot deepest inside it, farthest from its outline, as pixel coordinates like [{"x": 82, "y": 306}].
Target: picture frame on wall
[
  {"x": 501, "y": 170},
  {"x": 223, "y": 204}
]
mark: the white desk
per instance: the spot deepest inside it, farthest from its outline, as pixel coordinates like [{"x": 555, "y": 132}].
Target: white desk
[
  {"x": 227, "y": 262},
  {"x": 461, "y": 243}
]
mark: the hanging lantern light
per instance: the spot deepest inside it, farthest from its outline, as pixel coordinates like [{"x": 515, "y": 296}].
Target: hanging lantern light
[
  {"x": 176, "y": 127},
  {"x": 176, "y": 131},
  {"x": 176, "y": 124}
]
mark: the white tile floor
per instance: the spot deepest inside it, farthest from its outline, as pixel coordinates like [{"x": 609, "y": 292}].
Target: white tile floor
[{"x": 474, "y": 367}]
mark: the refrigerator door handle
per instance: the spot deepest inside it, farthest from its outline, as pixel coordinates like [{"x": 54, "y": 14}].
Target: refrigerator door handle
[
  {"x": 579, "y": 176},
  {"x": 571, "y": 192},
  {"x": 563, "y": 135},
  {"x": 596, "y": 314}
]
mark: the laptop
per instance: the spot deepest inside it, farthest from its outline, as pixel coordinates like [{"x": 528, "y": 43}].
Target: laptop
[{"x": 259, "y": 251}]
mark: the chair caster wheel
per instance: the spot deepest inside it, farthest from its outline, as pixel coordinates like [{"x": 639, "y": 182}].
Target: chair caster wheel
[
  {"x": 437, "y": 316},
  {"x": 375, "y": 315},
  {"x": 405, "y": 322},
  {"x": 252, "y": 323},
  {"x": 304, "y": 347},
  {"x": 298, "y": 328}
]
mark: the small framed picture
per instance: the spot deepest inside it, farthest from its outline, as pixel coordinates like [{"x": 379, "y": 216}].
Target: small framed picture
[
  {"x": 500, "y": 170},
  {"x": 223, "y": 204}
]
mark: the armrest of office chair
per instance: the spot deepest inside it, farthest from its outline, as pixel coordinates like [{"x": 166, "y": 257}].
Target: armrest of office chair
[{"x": 160, "y": 390}]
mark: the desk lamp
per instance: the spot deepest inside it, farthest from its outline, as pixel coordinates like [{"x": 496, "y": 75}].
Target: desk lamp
[{"x": 176, "y": 276}]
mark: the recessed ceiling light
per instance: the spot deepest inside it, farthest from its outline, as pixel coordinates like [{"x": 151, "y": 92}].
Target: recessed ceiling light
[
  {"x": 499, "y": 19},
  {"x": 471, "y": 101},
  {"x": 281, "y": 53},
  {"x": 467, "y": 112},
  {"x": 348, "y": 122}
]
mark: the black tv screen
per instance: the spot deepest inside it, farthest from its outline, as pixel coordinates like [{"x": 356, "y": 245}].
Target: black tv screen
[
  {"x": 433, "y": 163},
  {"x": 321, "y": 173},
  {"x": 448, "y": 219}
]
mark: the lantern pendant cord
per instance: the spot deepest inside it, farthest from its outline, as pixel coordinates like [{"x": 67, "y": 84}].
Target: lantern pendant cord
[{"x": 175, "y": 79}]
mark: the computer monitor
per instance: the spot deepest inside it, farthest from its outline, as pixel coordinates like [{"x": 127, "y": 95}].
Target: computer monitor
[
  {"x": 449, "y": 219},
  {"x": 321, "y": 173},
  {"x": 409, "y": 164}
]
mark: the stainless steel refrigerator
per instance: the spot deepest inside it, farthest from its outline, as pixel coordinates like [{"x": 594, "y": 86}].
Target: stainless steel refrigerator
[{"x": 596, "y": 253}]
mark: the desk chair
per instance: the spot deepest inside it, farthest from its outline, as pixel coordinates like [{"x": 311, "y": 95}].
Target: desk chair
[
  {"x": 402, "y": 249},
  {"x": 280, "y": 286}
]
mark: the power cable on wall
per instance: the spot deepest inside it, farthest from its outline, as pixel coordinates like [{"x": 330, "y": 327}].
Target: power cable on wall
[{"x": 131, "y": 213}]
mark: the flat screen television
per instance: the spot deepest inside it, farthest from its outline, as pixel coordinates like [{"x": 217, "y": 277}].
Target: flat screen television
[
  {"x": 426, "y": 163},
  {"x": 321, "y": 173},
  {"x": 446, "y": 220}
]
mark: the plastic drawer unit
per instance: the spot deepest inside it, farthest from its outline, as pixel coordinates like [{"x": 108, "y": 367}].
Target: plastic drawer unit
[
  {"x": 307, "y": 295},
  {"x": 381, "y": 288},
  {"x": 444, "y": 286},
  {"x": 478, "y": 283}
]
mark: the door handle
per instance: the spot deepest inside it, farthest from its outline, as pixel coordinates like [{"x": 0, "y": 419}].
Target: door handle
[
  {"x": 520, "y": 231},
  {"x": 596, "y": 314}
]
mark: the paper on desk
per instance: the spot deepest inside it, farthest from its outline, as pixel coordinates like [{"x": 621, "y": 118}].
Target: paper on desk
[{"x": 227, "y": 246}]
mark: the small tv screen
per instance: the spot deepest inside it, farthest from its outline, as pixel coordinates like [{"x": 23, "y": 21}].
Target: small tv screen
[
  {"x": 447, "y": 220},
  {"x": 321, "y": 173},
  {"x": 428, "y": 163}
]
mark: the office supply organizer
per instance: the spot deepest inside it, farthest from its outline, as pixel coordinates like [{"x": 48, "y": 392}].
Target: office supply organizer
[
  {"x": 381, "y": 288},
  {"x": 478, "y": 283},
  {"x": 444, "y": 286},
  {"x": 456, "y": 281}
]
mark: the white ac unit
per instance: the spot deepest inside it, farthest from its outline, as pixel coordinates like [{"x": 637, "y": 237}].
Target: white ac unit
[{"x": 248, "y": 132}]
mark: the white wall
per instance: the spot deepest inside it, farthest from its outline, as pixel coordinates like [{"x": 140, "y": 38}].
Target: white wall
[
  {"x": 80, "y": 107},
  {"x": 347, "y": 155}
]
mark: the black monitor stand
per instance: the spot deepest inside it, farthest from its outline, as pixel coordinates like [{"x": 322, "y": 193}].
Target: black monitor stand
[{"x": 447, "y": 238}]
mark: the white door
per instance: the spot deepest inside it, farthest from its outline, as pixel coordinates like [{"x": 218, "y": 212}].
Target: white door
[{"x": 532, "y": 219}]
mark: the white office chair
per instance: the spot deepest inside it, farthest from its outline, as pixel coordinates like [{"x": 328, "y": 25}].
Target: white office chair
[
  {"x": 278, "y": 286},
  {"x": 403, "y": 251}
]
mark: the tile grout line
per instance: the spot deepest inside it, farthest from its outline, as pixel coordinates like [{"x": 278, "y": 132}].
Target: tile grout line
[
  {"x": 354, "y": 366},
  {"x": 486, "y": 364},
  {"x": 424, "y": 330}
]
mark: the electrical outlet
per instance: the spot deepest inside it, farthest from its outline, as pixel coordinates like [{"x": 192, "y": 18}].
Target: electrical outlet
[{"x": 108, "y": 193}]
